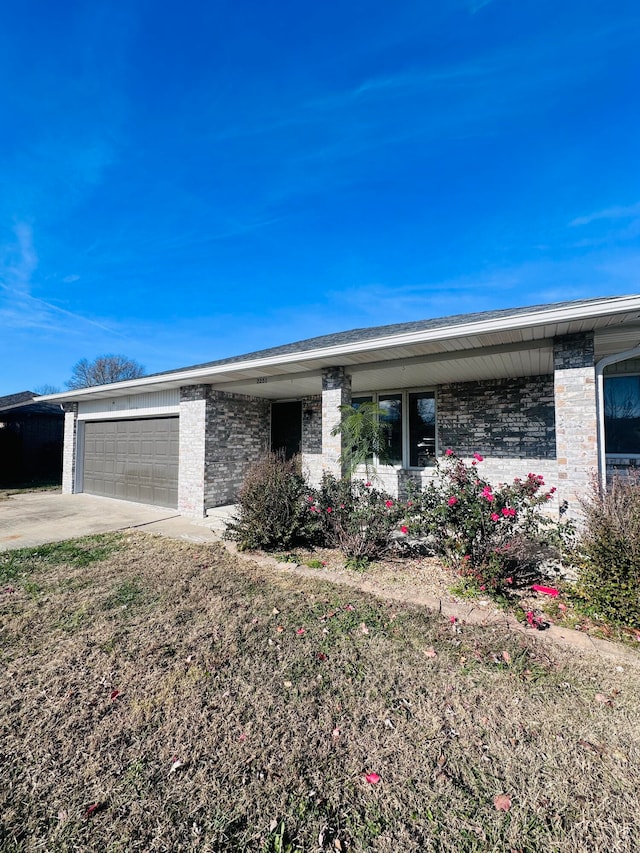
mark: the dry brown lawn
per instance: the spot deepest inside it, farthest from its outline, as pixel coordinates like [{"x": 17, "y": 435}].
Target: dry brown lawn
[{"x": 160, "y": 696}]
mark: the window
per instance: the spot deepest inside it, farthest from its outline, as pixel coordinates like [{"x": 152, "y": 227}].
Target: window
[
  {"x": 391, "y": 404},
  {"x": 622, "y": 414},
  {"x": 422, "y": 429},
  {"x": 411, "y": 416}
]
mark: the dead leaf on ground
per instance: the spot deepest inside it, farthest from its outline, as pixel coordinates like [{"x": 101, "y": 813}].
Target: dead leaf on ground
[
  {"x": 363, "y": 628},
  {"x": 502, "y": 802},
  {"x": 590, "y": 747},
  {"x": 506, "y": 657},
  {"x": 430, "y": 652}
]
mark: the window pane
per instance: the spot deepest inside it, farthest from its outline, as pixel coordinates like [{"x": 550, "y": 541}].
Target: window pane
[
  {"x": 622, "y": 414},
  {"x": 356, "y": 402},
  {"x": 422, "y": 429},
  {"x": 391, "y": 404}
]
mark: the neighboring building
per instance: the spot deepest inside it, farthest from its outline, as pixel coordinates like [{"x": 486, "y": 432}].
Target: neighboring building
[
  {"x": 553, "y": 389},
  {"x": 30, "y": 440}
]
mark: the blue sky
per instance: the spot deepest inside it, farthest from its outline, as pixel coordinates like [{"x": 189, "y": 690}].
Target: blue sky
[{"x": 187, "y": 181}]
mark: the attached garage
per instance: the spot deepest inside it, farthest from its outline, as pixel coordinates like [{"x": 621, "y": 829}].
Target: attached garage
[{"x": 134, "y": 459}]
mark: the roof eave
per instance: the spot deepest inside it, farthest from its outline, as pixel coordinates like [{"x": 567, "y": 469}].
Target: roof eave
[{"x": 552, "y": 314}]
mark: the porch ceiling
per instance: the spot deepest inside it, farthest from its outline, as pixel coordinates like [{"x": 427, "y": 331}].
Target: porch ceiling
[{"x": 498, "y": 362}]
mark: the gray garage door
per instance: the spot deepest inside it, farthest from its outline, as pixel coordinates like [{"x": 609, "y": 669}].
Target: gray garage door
[{"x": 133, "y": 460}]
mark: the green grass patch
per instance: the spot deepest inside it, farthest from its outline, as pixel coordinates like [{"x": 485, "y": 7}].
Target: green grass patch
[{"x": 20, "y": 564}]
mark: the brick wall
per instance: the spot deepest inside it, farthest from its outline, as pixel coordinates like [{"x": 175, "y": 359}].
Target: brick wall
[
  {"x": 511, "y": 422},
  {"x": 506, "y": 418},
  {"x": 69, "y": 451},
  {"x": 238, "y": 434},
  {"x": 576, "y": 415},
  {"x": 221, "y": 435},
  {"x": 191, "y": 471},
  {"x": 312, "y": 438},
  {"x": 336, "y": 392}
]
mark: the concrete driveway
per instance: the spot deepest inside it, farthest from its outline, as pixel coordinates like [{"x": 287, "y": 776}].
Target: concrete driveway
[{"x": 38, "y": 517}]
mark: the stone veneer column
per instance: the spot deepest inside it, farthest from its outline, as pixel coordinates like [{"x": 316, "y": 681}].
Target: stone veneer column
[
  {"x": 191, "y": 476},
  {"x": 576, "y": 416},
  {"x": 336, "y": 392},
  {"x": 70, "y": 448}
]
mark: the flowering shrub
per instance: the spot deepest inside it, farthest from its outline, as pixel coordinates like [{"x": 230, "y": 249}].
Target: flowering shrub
[
  {"x": 355, "y": 517},
  {"x": 496, "y": 537}
]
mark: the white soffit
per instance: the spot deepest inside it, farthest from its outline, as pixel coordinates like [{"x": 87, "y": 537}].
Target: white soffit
[{"x": 498, "y": 363}]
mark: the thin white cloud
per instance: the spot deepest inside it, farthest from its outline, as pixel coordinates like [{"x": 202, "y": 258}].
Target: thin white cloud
[
  {"x": 20, "y": 309},
  {"x": 617, "y": 212},
  {"x": 477, "y": 5}
]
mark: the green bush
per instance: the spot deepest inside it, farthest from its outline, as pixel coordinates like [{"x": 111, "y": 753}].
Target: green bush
[
  {"x": 274, "y": 507},
  {"x": 355, "y": 517},
  {"x": 608, "y": 553}
]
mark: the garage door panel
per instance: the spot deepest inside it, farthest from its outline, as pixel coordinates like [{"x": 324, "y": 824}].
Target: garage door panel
[{"x": 133, "y": 460}]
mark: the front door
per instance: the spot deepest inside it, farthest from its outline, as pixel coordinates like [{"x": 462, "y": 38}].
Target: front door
[{"x": 286, "y": 428}]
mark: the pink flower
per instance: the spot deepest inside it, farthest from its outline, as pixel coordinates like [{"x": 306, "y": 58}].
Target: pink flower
[
  {"x": 329, "y": 509},
  {"x": 495, "y": 516},
  {"x": 300, "y": 632},
  {"x": 487, "y": 493},
  {"x": 508, "y": 580},
  {"x": 478, "y": 458},
  {"x": 467, "y": 557},
  {"x": 388, "y": 503},
  {"x": 508, "y": 512},
  {"x": 409, "y": 503},
  {"x": 552, "y": 490},
  {"x": 367, "y": 484},
  {"x": 448, "y": 452},
  {"x": 404, "y": 529},
  {"x": 545, "y": 590},
  {"x": 453, "y": 500},
  {"x": 372, "y": 778}
]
